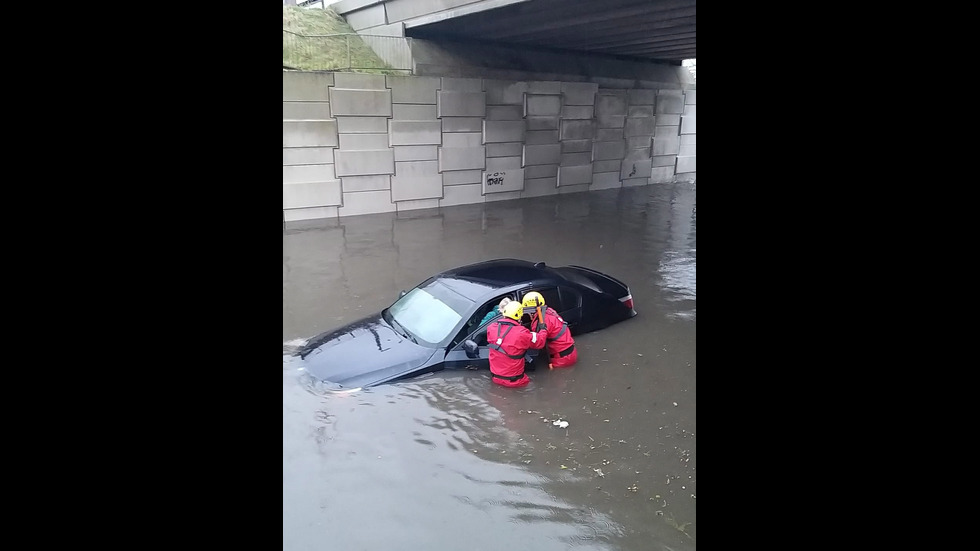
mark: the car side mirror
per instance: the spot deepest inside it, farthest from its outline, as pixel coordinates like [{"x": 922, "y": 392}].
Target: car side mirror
[
  {"x": 401, "y": 294},
  {"x": 471, "y": 348}
]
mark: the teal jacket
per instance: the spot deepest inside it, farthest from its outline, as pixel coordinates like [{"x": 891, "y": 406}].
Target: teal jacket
[{"x": 490, "y": 315}]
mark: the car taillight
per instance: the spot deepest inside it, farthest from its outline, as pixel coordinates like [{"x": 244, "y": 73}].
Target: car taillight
[{"x": 628, "y": 301}]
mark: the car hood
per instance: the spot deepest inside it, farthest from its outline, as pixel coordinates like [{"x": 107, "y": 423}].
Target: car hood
[{"x": 364, "y": 353}]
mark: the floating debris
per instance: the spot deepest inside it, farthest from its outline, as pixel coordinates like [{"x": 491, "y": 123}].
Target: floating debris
[{"x": 561, "y": 424}]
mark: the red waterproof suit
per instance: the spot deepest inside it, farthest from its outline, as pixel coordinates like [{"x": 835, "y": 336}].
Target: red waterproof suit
[
  {"x": 509, "y": 341},
  {"x": 561, "y": 345}
]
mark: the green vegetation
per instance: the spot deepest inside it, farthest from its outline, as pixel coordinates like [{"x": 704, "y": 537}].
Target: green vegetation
[{"x": 304, "y": 47}]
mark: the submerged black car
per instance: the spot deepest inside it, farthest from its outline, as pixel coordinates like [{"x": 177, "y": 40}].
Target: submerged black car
[{"x": 436, "y": 325}]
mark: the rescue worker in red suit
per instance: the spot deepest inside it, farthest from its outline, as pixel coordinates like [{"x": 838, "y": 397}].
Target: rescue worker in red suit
[
  {"x": 509, "y": 341},
  {"x": 561, "y": 345}
]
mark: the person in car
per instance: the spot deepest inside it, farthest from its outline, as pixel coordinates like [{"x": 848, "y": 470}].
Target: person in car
[
  {"x": 561, "y": 345},
  {"x": 496, "y": 311},
  {"x": 509, "y": 342}
]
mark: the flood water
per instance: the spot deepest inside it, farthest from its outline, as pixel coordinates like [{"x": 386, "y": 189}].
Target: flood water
[{"x": 453, "y": 462}]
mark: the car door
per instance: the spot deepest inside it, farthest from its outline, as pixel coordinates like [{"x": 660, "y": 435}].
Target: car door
[
  {"x": 571, "y": 303},
  {"x": 457, "y": 357}
]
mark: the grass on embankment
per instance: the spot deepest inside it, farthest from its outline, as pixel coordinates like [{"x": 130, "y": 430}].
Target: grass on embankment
[{"x": 329, "y": 53}]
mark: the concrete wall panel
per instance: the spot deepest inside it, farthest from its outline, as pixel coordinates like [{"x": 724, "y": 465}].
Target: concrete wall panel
[
  {"x": 363, "y": 142},
  {"x": 668, "y": 120},
  {"x": 666, "y": 160},
  {"x": 540, "y": 187},
  {"x": 404, "y": 206},
  {"x": 462, "y": 124},
  {"x": 413, "y": 89},
  {"x": 542, "y": 123},
  {"x": 505, "y": 113},
  {"x": 359, "y": 81},
  {"x": 505, "y": 92},
  {"x": 639, "y": 127},
  {"x": 542, "y": 106},
  {"x": 609, "y": 134},
  {"x": 687, "y": 164},
  {"x": 666, "y": 132},
  {"x": 611, "y": 121},
  {"x": 551, "y": 87},
  {"x": 305, "y": 110},
  {"x": 307, "y": 155},
  {"x": 310, "y": 134},
  {"x": 315, "y": 213},
  {"x": 576, "y": 146},
  {"x": 415, "y": 132},
  {"x": 642, "y": 142},
  {"x": 496, "y": 164},
  {"x": 539, "y": 137},
  {"x": 611, "y": 104},
  {"x": 577, "y": 112},
  {"x": 364, "y": 163},
  {"x": 462, "y": 84},
  {"x": 416, "y": 169},
  {"x": 578, "y": 130},
  {"x": 574, "y": 175},
  {"x": 363, "y": 103},
  {"x": 605, "y": 180},
  {"x": 636, "y": 169},
  {"x": 541, "y": 171},
  {"x": 462, "y": 195},
  {"x": 642, "y": 97},
  {"x": 462, "y": 139},
  {"x": 689, "y": 120},
  {"x": 462, "y": 158},
  {"x": 415, "y": 153},
  {"x": 298, "y": 86},
  {"x": 413, "y": 188},
  {"x": 366, "y": 202},
  {"x": 670, "y": 104},
  {"x": 503, "y": 131},
  {"x": 690, "y": 97},
  {"x": 578, "y": 188},
  {"x": 669, "y": 145},
  {"x": 409, "y": 112},
  {"x": 514, "y": 149},
  {"x": 365, "y": 183},
  {"x": 605, "y": 151},
  {"x": 638, "y": 111},
  {"x": 579, "y": 93},
  {"x": 662, "y": 175},
  {"x": 576, "y": 159},
  {"x": 504, "y": 196},
  {"x": 612, "y": 165},
  {"x": 462, "y": 177},
  {"x": 462, "y": 104},
  {"x": 296, "y": 174},
  {"x": 362, "y": 125},
  {"x": 311, "y": 194}
]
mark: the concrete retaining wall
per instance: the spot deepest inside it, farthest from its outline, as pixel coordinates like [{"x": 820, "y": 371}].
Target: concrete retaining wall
[{"x": 362, "y": 144}]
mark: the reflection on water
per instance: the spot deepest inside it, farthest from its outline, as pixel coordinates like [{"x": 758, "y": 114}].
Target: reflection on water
[{"x": 451, "y": 461}]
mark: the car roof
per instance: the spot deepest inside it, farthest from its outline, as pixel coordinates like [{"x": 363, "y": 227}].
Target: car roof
[{"x": 497, "y": 274}]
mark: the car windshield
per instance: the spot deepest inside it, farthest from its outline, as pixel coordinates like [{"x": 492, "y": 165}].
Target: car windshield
[{"x": 430, "y": 312}]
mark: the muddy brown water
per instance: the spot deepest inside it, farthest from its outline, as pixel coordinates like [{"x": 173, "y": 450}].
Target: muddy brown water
[{"x": 452, "y": 462}]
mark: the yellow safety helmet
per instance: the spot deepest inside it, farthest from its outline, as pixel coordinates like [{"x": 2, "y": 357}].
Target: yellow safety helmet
[
  {"x": 513, "y": 310},
  {"x": 533, "y": 300}
]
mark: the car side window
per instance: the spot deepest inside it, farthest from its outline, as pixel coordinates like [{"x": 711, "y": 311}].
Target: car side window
[
  {"x": 570, "y": 298},
  {"x": 551, "y": 297},
  {"x": 473, "y": 329}
]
